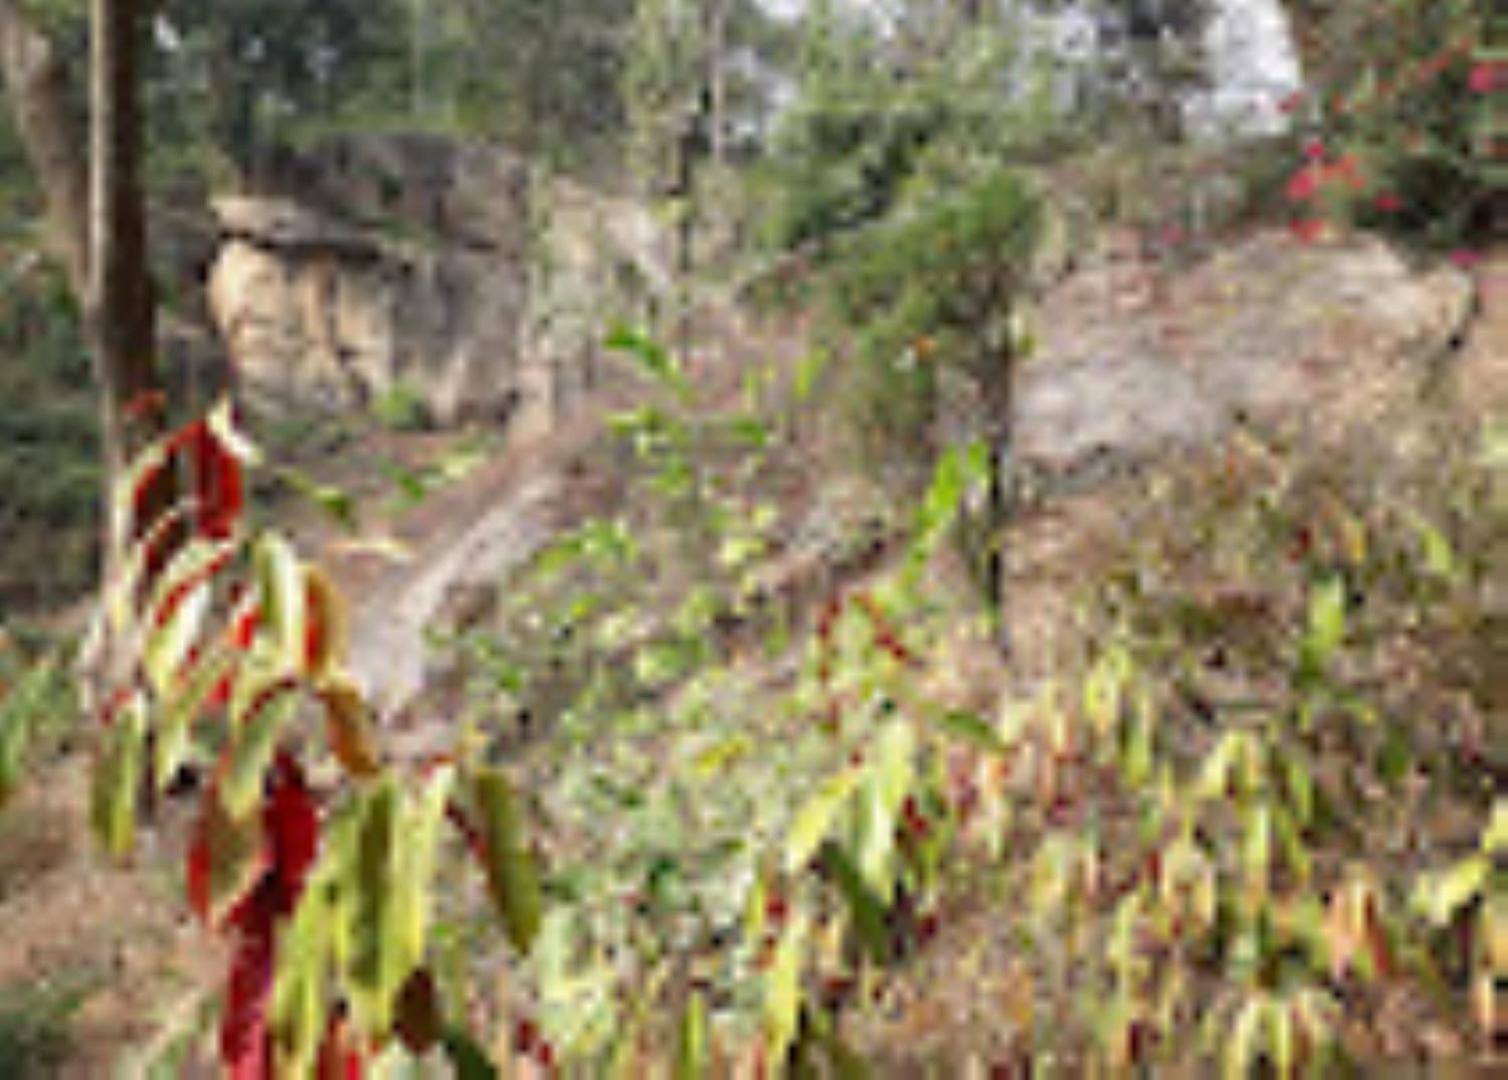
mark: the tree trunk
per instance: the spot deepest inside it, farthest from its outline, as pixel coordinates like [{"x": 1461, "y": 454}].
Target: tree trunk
[
  {"x": 119, "y": 311},
  {"x": 96, "y": 221},
  {"x": 37, "y": 86}
]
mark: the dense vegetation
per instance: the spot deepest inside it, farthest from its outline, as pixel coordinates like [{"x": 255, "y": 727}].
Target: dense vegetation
[{"x": 734, "y": 771}]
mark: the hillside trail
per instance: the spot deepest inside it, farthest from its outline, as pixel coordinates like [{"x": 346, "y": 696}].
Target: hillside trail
[{"x": 119, "y": 935}]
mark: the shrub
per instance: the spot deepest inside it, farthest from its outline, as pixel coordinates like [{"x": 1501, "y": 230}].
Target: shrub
[
  {"x": 1398, "y": 119},
  {"x": 934, "y": 297}
]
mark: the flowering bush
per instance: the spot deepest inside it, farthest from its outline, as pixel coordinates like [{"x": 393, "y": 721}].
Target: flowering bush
[{"x": 1396, "y": 120}]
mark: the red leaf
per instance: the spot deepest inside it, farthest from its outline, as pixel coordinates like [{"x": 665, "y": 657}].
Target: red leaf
[
  {"x": 181, "y": 590},
  {"x": 292, "y": 823},
  {"x": 218, "y": 482},
  {"x": 145, "y": 405},
  {"x": 338, "y": 1059},
  {"x": 243, "y": 1026},
  {"x": 198, "y": 875}
]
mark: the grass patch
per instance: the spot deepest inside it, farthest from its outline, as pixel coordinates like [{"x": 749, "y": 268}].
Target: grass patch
[{"x": 34, "y": 1026}]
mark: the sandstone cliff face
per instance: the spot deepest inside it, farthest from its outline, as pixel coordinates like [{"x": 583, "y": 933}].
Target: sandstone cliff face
[{"x": 417, "y": 265}]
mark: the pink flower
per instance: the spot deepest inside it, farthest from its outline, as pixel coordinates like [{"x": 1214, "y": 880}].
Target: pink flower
[
  {"x": 1292, "y": 102},
  {"x": 1314, "y": 150},
  {"x": 1465, "y": 259},
  {"x": 1388, "y": 202},
  {"x": 1483, "y": 78},
  {"x": 1302, "y": 185}
]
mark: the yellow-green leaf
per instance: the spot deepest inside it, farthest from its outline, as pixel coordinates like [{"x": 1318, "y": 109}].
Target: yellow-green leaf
[
  {"x": 509, "y": 864},
  {"x": 815, "y": 819},
  {"x": 782, "y": 1000},
  {"x": 284, "y": 599},
  {"x": 254, "y": 740},
  {"x": 1442, "y": 895},
  {"x": 692, "y": 1057},
  {"x": 374, "y": 967},
  {"x": 117, "y": 778}
]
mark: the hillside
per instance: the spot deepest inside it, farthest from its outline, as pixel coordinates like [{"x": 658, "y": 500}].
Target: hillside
[{"x": 1092, "y": 514}]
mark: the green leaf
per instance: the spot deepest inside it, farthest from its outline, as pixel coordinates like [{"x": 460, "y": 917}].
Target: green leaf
[
  {"x": 1284, "y": 1042},
  {"x": 1257, "y": 850},
  {"x": 891, "y": 773},
  {"x": 225, "y": 857},
  {"x": 1213, "y": 782},
  {"x": 1243, "y": 1045},
  {"x": 374, "y": 957},
  {"x": 751, "y": 431},
  {"x": 1495, "y": 836},
  {"x": 782, "y": 1000},
  {"x": 1326, "y": 626},
  {"x": 298, "y": 1012},
  {"x": 652, "y": 357},
  {"x": 414, "y": 866},
  {"x": 333, "y": 501},
  {"x": 511, "y": 875},
  {"x": 256, "y": 729},
  {"x": 971, "y": 728},
  {"x": 809, "y": 370},
  {"x": 185, "y": 701},
  {"x": 117, "y": 778},
  {"x": 469, "y": 1060},
  {"x": 21, "y": 710},
  {"x": 815, "y": 819},
  {"x": 721, "y": 754},
  {"x": 1439, "y": 558},
  {"x": 280, "y": 579},
  {"x": 692, "y": 1058},
  {"x": 865, "y": 910},
  {"x": 1104, "y": 689},
  {"x": 1441, "y": 895},
  {"x": 175, "y": 613}
]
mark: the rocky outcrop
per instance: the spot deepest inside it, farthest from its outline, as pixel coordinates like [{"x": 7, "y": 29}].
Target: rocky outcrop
[
  {"x": 1133, "y": 359},
  {"x": 439, "y": 270}
]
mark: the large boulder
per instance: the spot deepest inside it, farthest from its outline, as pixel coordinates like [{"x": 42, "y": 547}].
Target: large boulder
[{"x": 1133, "y": 360}]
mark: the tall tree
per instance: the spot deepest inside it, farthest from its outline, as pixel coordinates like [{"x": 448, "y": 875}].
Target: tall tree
[
  {"x": 96, "y": 218},
  {"x": 36, "y": 84},
  {"x": 119, "y": 311}
]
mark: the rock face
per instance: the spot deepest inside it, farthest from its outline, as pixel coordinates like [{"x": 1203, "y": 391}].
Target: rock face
[
  {"x": 1133, "y": 360},
  {"x": 424, "y": 267}
]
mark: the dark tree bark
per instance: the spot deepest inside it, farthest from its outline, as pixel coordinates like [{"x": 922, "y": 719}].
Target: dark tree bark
[{"x": 119, "y": 311}]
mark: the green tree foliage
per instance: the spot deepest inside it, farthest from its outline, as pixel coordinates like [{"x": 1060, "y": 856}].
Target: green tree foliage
[
  {"x": 879, "y": 110},
  {"x": 238, "y": 74},
  {"x": 50, "y": 468},
  {"x": 930, "y": 297},
  {"x": 544, "y": 75}
]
